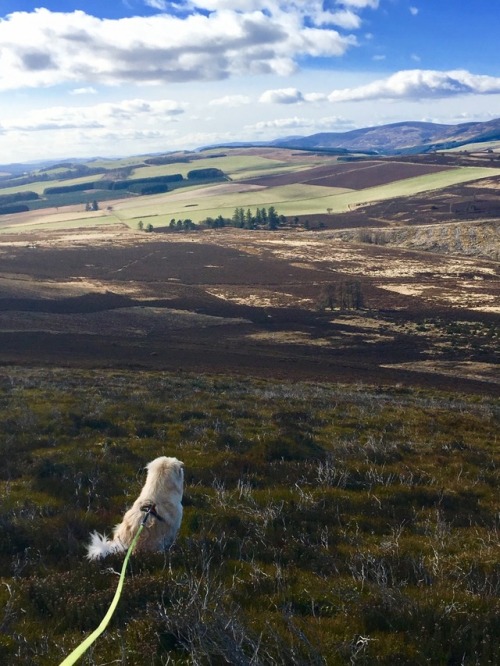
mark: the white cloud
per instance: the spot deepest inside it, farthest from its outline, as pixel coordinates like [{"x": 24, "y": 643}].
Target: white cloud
[
  {"x": 420, "y": 84},
  {"x": 329, "y": 123},
  {"x": 314, "y": 9},
  {"x": 107, "y": 116},
  {"x": 236, "y": 38},
  {"x": 315, "y": 97},
  {"x": 282, "y": 96},
  {"x": 344, "y": 18},
  {"x": 414, "y": 11},
  {"x": 290, "y": 96},
  {"x": 335, "y": 123},
  {"x": 156, "y": 4},
  {"x": 279, "y": 124},
  {"x": 230, "y": 101},
  {"x": 360, "y": 4},
  {"x": 84, "y": 91}
]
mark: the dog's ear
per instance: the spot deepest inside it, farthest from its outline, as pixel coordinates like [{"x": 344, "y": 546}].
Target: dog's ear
[{"x": 179, "y": 468}]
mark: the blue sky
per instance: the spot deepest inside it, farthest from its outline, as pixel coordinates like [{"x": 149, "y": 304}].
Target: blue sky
[{"x": 139, "y": 76}]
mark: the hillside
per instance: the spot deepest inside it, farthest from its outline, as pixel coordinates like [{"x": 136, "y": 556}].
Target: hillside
[
  {"x": 473, "y": 239},
  {"x": 90, "y": 286},
  {"x": 403, "y": 137}
]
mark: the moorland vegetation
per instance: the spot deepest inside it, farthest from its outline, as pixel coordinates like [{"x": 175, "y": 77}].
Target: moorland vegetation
[{"x": 323, "y": 524}]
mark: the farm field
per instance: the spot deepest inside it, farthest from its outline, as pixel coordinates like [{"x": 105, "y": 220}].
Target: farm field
[
  {"x": 39, "y": 187},
  {"x": 303, "y": 198},
  {"x": 354, "y": 175},
  {"x": 298, "y": 183}
]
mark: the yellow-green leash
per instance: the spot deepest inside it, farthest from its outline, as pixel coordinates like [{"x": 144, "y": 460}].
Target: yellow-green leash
[{"x": 84, "y": 646}]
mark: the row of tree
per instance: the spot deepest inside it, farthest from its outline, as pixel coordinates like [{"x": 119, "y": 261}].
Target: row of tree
[
  {"x": 14, "y": 203},
  {"x": 260, "y": 218},
  {"x": 144, "y": 227},
  {"x": 182, "y": 225},
  {"x": 151, "y": 185}
]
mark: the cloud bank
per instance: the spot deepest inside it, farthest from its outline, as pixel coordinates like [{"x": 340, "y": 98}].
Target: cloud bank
[
  {"x": 99, "y": 116},
  {"x": 419, "y": 84},
  {"x": 409, "y": 85},
  {"x": 217, "y": 39}
]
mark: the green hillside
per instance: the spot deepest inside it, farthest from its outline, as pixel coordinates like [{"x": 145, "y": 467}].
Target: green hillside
[{"x": 213, "y": 184}]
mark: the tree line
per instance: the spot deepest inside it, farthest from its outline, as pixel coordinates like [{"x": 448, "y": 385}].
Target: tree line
[
  {"x": 259, "y": 218},
  {"x": 150, "y": 185},
  {"x": 14, "y": 203}
]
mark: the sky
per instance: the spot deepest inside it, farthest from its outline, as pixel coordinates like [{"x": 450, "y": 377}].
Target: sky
[{"x": 130, "y": 77}]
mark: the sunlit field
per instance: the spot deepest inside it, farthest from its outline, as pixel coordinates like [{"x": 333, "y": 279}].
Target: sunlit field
[{"x": 249, "y": 182}]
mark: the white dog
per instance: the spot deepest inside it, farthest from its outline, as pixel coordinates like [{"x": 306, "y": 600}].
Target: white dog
[{"x": 161, "y": 495}]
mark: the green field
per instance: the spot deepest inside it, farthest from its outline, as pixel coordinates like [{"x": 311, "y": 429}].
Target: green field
[
  {"x": 230, "y": 165},
  {"x": 478, "y": 147},
  {"x": 197, "y": 202},
  {"x": 40, "y": 186},
  {"x": 294, "y": 199},
  {"x": 236, "y": 167},
  {"x": 59, "y": 225}
]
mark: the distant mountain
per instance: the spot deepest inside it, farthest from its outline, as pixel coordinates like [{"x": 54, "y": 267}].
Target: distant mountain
[
  {"x": 404, "y": 137},
  {"x": 15, "y": 169}
]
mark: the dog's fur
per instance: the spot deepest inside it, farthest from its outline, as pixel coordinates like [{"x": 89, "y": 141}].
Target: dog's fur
[{"x": 163, "y": 489}]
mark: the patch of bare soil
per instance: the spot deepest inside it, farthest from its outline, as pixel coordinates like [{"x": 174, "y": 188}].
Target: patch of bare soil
[
  {"x": 243, "y": 302},
  {"x": 350, "y": 175}
]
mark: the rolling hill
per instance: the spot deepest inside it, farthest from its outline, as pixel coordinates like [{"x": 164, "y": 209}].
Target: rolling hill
[{"x": 399, "y": 138}]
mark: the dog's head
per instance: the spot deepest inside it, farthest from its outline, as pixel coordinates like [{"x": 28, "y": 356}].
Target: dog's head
[{"x": 170, "y": 469}]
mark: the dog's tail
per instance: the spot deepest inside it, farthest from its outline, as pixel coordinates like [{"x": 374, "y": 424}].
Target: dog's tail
[{"x": 100, "y": 546}]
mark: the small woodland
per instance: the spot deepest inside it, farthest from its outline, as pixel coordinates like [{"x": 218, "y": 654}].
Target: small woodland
[
  {"x": 258, "y": 218},
  {"x": 323, "y": 524},
  {"x": 113, "y": 183}
]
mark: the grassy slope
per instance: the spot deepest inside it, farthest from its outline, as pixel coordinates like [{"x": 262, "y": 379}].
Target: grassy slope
[
  {"x": 55, "y": 222},
  {"x": 232, "y": 164},
  {"x": 323, "y": 524},
  {"x": 296, "y": 199},
  {"x": 39, "y": 187},
  {"x": 475, "y": 147},
  {"x": 289, "y": 200}
]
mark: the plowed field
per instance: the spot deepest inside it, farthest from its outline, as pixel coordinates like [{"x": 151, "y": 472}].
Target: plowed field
[{"x": 351, "y": 175}]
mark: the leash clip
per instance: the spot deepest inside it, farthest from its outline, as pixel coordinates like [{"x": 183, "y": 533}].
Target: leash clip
[{"x": 150, "y": 510}]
